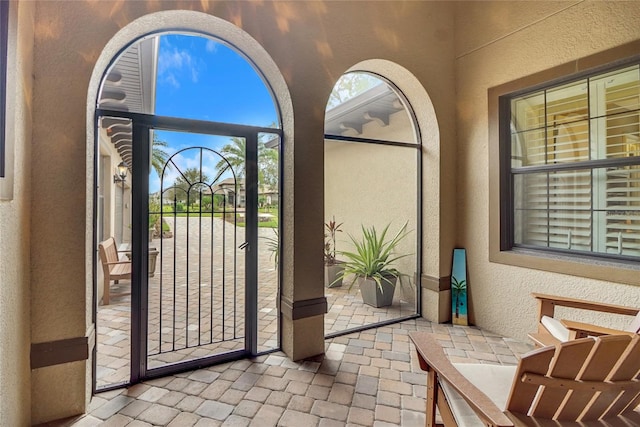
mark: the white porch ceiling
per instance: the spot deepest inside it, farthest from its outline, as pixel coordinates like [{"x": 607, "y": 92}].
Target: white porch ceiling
[{"x": 130, "y": 85}]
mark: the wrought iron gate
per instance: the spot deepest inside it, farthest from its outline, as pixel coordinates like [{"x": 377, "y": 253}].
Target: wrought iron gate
[
  {"x": 197, "y": 298},
  {"x": 194, "y": 249}
]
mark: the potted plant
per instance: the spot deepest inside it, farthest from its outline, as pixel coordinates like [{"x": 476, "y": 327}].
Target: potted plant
[
  {"x": 154, "y": 218},
  {"x": 371, "y": 264},
  {"x": 273, "y": 246},
  {"x": 332, "y": 267}
]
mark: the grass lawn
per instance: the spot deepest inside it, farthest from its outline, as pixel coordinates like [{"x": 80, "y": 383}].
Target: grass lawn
[{"x": 272, "y": 223}]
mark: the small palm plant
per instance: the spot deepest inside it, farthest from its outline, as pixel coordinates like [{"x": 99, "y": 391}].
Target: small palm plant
[
  {"x": 458, "y": 288},
  {"x": 273, "y": 245},
  {"x": 373, "y": 256}
]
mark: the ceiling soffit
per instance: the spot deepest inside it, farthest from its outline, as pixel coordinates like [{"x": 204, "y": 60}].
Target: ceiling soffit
[{"x": 130, "y": 85}]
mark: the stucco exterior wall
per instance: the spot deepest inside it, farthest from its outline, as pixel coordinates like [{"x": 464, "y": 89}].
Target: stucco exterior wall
[
  {"x": 374, "y": 185},
  {"x": 312, "y": 43},
  {"x": 497, "y": 42},
  {"x": 45, "y": 230},
  {"x": 15, "y": 374}
]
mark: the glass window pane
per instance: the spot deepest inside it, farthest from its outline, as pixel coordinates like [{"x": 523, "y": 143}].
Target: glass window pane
[
  {"x": 584, "y": 210},
  {"x": 568, "y": 142},
  {"x": 615, "y": 92},
  {"x": 568, "y": 103},
  {"x": 115, "y": 181},
  {"x": 383, "y": 195},
  {"x": 616, "y": 136},
  {"x": 365, "y": 106},
  {"x": 554, "y": 209},
  {"x": 595, "y": 209},
  {"x": 531, "y": 209},
  {"x": 268, "y": 240},
  {"x": 621, "y": 222},
  {"x": 528, "y": 148},
  {"x": 188, "y": 76},
  {"x": 527, "y": 112},
  {"x": 570, "y": 210},
  {"x": 615, "y": 100}
]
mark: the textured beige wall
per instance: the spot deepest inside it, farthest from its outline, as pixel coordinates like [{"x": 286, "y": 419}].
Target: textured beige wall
[
  {"x": 374, "y": 185},
  {"x": 497, "y": 42},
  {"x": 435, "y": 126},
  {"x": 15, "y": 374},
  {"x": 312, "y": 43}
]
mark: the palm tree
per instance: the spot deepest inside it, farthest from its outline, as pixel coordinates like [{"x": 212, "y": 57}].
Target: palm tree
[
  {"x": 193, "y": 181},
  {"x": 458, "y": 289},
  {"x": 158, "y": 155},
  {"x": 234, "y": 153}
]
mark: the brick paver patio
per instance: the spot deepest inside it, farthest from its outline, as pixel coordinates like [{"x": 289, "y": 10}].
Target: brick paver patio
[
  {"x": 180, "y": 321},
  {"x": 370, "y": 378}
]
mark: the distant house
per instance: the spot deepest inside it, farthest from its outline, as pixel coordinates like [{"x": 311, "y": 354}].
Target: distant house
[
  {"x": 233, "y": 191},
  {"x": 229, "y": 188}
]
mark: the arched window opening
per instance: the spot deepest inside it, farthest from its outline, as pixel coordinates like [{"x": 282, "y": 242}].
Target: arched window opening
[
  {"x": 188, "y": 169},
  {"x": 372, "y": 192}
]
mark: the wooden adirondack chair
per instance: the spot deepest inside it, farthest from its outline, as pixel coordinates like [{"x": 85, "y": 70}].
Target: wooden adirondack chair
[
  {"x": 552, "y": 331},
  {"x": 113, "y": 268},
  {"x": 585, "y": 382}
]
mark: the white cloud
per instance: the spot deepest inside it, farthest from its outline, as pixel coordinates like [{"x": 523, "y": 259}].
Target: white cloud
[
  {"x": 173, "y": 62},
  {"x": 171, "y": 80},
  {"x": 173, "y": 59},
  {"x": 211, "y": 46}
]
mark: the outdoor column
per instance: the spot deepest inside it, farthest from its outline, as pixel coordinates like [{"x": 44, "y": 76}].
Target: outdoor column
[
  {"x": 302, "y": 309},
  {"x": 302, "y": 300},
  {"x": 436, "y": 298}
]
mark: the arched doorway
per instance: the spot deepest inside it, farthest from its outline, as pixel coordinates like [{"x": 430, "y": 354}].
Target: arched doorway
[
  {"x": 183, "y": 192},
  {"x": 372, "y": 204},
  {"x": 383, "y": 116}
]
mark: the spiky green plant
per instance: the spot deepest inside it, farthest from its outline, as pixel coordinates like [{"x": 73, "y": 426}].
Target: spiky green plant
[
  {"x": 373, "y": 256},
  {"x": 273, "y": 245}
]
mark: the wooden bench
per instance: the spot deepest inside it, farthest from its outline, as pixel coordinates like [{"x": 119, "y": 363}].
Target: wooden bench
[
  {"x": 551, "y": 331},
  {"x": 112, "y": 267}
]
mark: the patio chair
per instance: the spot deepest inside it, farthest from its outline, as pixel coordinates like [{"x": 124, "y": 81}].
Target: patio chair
[
  {"x": 552, "y": 330},
  {"x": 113, "y": 268},
  {"x": 585, "y": 382}
]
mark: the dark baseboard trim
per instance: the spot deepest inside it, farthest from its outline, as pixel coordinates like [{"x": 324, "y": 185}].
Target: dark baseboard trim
[
  {"x": 62, "y": 351},
  {"x": 296, "y": 310},
  {"x": 436, "y": 284}
]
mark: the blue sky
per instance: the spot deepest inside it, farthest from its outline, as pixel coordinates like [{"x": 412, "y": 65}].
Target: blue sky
[{"x": 199, "y": 78}]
